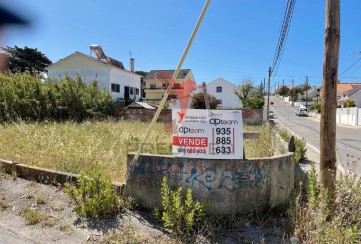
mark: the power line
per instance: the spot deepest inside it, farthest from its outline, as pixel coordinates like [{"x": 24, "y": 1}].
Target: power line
[
  {"x": 283, "y": 35},
  {"x": 350, "y": 67}
]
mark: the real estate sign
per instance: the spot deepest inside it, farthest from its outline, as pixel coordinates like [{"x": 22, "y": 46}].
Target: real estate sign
[{"x": 216, "y": 134}]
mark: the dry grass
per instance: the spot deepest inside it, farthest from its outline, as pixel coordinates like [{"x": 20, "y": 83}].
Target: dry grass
[
  {"x": 261, "y": 147},
  {"x": 72, "y": 146}
]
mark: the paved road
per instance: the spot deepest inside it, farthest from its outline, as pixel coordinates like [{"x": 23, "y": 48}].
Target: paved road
[{"x": 348, "y": 138}]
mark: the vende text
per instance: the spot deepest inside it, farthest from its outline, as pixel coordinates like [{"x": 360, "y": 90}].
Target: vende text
[{"x": 190, "y": 141}]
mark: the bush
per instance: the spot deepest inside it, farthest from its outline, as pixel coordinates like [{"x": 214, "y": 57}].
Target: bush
[
  {"x": 199, "y": 103},
  {"x": 316, "y": 106},
  {"x": 300, "y": 145},
  {"x": 301, "y": 149},
  {"x": 349, "y": 103},
  {"x": 181, "y": 217},
  {"x": 313, "y": 220},
  {"x": 31, "y": 98},
  {"x": 94, "y": 196}
]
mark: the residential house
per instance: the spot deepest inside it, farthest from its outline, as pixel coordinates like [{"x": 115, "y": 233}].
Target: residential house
[
  {"x": 224, "y": 90},
  {"x": 353, "y": 94},
  {"x": 110, "y": 73},
  {"x": 157, "y": 81},
  {"x": 346, "y": 91}
]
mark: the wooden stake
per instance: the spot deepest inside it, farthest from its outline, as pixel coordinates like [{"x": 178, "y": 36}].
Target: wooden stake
[{"x": 328, "y": 104}]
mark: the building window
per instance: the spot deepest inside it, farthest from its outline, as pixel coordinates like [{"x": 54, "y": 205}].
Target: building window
[
  {"x": 115, "y": 88},
  {"x": 219, "y": 101},
  {"x": 131, "y": 90},
  {"x": 219, "y": 89},
  {"x": 136, "y": 91},
  {"x": 152, "y": 86},
  {"x": 177, "y": 85}
]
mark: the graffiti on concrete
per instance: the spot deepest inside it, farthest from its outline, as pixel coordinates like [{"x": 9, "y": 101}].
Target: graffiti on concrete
[{"x": 210, "y": 178}]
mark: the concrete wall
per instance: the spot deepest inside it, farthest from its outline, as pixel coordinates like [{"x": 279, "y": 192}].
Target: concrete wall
[
  {"x": 250, "y": 116},
  {"x": 359, "y": 116},
  {"x": 228, "y": 186},
  {"x": 348, "y": 116}
]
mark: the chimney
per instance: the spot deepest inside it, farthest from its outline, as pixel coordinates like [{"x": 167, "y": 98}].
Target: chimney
[{"x": 132, "y": 65}]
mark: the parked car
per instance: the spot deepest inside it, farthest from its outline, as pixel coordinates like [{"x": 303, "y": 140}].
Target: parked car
[
  {"x": 301, "y": 112},
  {"x": 271, "y": 115}
]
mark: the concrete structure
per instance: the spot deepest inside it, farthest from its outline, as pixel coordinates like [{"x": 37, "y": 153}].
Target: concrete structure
[
  {"x": 156, "y": 82},
  {"x": 109, "y": 73},
  {"x": 347, "y": 116},
  {"x": 228, "y": 186}
]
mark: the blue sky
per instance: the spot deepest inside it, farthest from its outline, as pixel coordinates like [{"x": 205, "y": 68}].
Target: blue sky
[{"x": 237, "y": 39}]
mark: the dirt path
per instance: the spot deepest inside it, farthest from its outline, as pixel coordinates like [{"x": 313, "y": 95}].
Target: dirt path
[{"x": 58, "y": 224}]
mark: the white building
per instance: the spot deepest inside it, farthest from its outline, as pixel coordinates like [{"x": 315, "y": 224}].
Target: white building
[
  {"x": 109, "y": 73},
  {"x": 223, "y": 90}
]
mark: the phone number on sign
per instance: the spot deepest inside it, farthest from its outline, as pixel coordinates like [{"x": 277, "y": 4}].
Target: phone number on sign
[{"x": 192, "y": 150}]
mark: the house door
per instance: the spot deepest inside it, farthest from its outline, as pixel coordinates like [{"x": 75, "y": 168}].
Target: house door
[{"x": 126, "y": 92}]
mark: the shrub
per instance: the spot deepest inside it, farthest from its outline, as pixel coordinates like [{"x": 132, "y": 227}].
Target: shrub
[
  {"x": 300, "y": 145},
  {"x": 349, "y": 103},
  {"x": 94, "y": 196},
  {"x": 199, "y": 103},
  {"x": 316, "y": 106},
  {"x": 181, "y": 217},
  {"x": 32, "y": 98},
  {"x": 313, "y": 220},
  {"x": 301, "y": 149}
]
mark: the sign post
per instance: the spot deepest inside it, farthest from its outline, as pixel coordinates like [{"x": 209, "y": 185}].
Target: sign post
[{"x": 211, "y": 134}]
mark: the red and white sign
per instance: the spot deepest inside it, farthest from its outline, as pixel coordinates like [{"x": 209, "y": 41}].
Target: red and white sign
[{"x": 210, "y": 134}]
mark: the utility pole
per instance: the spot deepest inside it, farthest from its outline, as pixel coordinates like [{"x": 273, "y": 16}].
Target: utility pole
[
  {"x": 284, "y": 89},
  {"x": 292, "y": 95},
  {"x": 269, "y": 84},
  {"x": 306, "y": 87},
  {"x": 328, "y": 104},
  {"x": 264, "y": 86}
]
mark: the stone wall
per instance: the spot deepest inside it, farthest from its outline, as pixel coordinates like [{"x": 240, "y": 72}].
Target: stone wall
[{"x": 228, "y": 186}]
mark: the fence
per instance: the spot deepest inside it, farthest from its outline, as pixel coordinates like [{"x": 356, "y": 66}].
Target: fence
[{"x": 348, "y": 116}]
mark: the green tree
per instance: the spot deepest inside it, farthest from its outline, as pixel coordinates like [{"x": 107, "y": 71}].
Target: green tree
[
  {"x": 293, "y": 93},
  {"x": 249, "y": 100},
  {"x": 284, "y": 91},
  {"x": 349, "y": 103},
  {"x": 244, "y": 90},
  {"x": 199, "y": 103},
  {"x": 255, "y": 101},
  {"x": 26, "y": 60}
]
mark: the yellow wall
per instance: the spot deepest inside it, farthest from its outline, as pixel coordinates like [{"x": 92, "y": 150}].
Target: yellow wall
[{"x": 158, "y": 93}]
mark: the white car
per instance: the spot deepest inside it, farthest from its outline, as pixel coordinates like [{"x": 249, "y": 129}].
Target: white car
[{"x": 301, "y": 112}]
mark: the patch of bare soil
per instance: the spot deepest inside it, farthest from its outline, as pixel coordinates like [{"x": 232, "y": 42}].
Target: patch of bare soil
[{"x": 36, "y": 213}]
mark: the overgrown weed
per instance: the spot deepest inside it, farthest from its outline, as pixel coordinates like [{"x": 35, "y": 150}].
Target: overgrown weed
[{"x": 313, "y": 221}]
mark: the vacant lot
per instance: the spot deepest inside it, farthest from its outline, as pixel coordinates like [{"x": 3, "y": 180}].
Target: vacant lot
[{"x": 72, "y": 146}]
